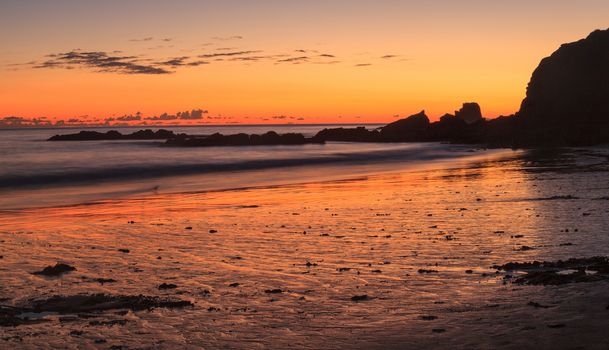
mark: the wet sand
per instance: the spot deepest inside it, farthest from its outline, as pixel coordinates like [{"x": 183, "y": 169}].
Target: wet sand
[{"x": 395, "y": 260}]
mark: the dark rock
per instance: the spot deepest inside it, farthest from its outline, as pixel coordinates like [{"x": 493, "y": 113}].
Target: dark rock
[
  {"x": 359, "y": 134},
  {"x": 553, "y": 273},
  {"x": 108, "y": 323},
  {"x": 567, "y": 100},
  {"x": 9, "y": 317},
  {"x": 147, "y": 134},
  {"x": 411, "y": 129},
  {"x": 429, "y": 318},
  {"x": 124, "y": 250},
  {"x": 470, "y": 113},
  {"x": 357, "y": 298},
  {"x": 525, "y": 248},
  {"x": 75, "y": 304},
  {"x": 427, "y": 271},
  {"x": 537, "y": 305},
  {"x": 54, "y": 271},
  {"x": 104, "y": 280},
  {"x": 164, "y": 286},
  {"x": 273, "y": 291},
  {"x": 270, "y": 138}
]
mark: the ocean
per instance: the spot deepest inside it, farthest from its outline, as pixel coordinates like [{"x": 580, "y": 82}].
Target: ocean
[{"x": 38, "y": 173}]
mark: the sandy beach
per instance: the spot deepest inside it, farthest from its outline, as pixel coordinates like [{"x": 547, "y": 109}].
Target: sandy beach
[{"x": 391, "y": 260}]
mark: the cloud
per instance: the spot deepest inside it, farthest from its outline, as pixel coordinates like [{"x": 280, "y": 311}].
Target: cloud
[
  {"x": 87, "y": 121},
  {"x": 119, "y": 63},
  {"x": 176, "y": 62},
  {"x": 181, "y": 62},
  {"x": 279, "y": 117},
  {"x": 195, "y": 114},
  {"x": 227, "y": 54},
  {"x": 294, "y": 60},
  {"x": 21, "y": 122},
  {"x": 163, "y": 116},
  {"x": 226, "y": 38},
  {"x": 142, "y": 39},
  {"x": 196, "y": 63},
  {"x": 128, "y": 118},
  {"x": 12, "y": 121},
  {"x": 101, "y": 62}
]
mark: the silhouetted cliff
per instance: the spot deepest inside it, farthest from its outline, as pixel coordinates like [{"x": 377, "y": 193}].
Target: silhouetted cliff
[{"x": 567, "y": 100}]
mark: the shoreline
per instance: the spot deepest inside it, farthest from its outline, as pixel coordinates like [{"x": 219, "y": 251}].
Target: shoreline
[
  {"x": 280, "y": 266},
  {"x": 306, "y": 174}
]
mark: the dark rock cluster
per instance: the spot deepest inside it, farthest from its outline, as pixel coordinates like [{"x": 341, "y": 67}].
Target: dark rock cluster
[
  {"x": 466, "y": 126},
  {"x": 567, "y": 104},
  {"x": 147, "y": 134},
  {"x": 268, "y": 139}
]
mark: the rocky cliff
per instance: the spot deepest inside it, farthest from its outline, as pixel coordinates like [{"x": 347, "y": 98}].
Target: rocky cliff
[{"x": 567, "y": 99}]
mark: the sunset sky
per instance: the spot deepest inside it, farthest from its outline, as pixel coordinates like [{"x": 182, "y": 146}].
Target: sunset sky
[{"x": 275, "y": 61}]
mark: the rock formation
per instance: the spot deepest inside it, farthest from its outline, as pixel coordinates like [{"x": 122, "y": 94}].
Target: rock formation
[
  {"x": 470, "y": 113},
  {"x": 567, "y": 100},
  {"x": 147, "y": 134},
  {"x": 411, "y": 129},
  {"x": 270, "y": 138}
]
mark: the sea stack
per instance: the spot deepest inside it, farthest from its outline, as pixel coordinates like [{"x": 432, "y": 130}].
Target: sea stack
[{"x": 469, "y": 113}]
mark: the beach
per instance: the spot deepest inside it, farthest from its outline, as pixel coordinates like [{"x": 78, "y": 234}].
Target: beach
[{"x": 400, "y": 257}]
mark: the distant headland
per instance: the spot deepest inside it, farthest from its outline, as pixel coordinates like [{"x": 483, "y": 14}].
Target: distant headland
[{"x": 566, "y": 104}]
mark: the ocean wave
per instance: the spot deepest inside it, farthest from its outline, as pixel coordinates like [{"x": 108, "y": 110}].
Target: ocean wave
[{"x": 118, "y": 172}]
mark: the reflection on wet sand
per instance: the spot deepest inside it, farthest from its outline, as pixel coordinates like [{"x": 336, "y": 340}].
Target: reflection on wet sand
[{"x": 388, "y": 260}]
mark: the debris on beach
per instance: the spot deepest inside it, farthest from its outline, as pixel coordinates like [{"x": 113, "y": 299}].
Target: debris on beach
[
  {"x": 55, "y": 271},
  {"x": 164, "y": 286},
  {"x": 558, "y": 272},
  {"x": 83, "y": 304}
]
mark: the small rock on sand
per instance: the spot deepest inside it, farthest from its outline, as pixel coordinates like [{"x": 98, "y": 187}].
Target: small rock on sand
[
  {"x": 167, "y": 286},
  {"x": 54, "y": 271},
  {"x": 273, "y": 291},
  {"x": 357, "y": 298}
]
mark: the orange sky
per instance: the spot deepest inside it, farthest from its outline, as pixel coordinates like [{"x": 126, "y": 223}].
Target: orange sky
[{"x": 313, "y": 62}]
